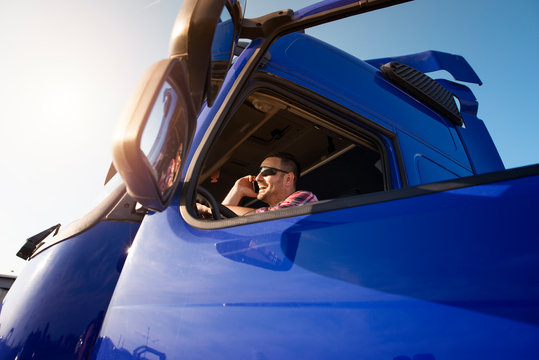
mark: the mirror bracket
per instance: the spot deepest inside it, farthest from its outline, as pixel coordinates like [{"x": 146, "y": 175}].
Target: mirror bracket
[{"x": 262, "y": 26}]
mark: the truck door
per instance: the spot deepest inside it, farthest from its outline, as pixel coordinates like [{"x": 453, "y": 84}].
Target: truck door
[{"x": 370, "y": 271}]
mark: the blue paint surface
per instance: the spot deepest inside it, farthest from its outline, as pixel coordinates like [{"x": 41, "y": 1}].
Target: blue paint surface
[
  {"x": 56, "y": 306},
  {"x": 424, "y": 275}
]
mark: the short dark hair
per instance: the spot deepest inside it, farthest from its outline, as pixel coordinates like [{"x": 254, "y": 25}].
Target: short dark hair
[{"x": 290, "y": 162}]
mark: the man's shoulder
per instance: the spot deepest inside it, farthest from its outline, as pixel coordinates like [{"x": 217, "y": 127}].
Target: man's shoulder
[
  {"x": 301, "y": 197},
  {"x": 297, "y": 198}
]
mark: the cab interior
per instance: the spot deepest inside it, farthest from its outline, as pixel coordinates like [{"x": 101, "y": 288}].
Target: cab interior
[{"x": 334, "y": 162}]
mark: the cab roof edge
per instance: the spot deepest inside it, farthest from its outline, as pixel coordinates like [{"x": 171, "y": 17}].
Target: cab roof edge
[{"x": 319, "y": 13}]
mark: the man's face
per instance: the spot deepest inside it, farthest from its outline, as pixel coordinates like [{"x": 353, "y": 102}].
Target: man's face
[{"x": 274, "y": 188}]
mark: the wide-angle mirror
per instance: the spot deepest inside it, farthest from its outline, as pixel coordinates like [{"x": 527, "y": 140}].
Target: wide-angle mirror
[
  {"x": 162, "y": 142},
  {"x": 155, "y": 133},
  {"x": 160, "y": 118},
  {"x": 221, "y": 53},
  {"x": 204, "y": 35}
]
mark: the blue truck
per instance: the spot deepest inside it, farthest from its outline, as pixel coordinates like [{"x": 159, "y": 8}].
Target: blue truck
[{"x": 421, "y": 246}]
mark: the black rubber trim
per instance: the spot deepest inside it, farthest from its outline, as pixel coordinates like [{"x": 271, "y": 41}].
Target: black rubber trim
[
  {"x": 367, "y": 199},
  {"x": 425, "y": 89}
]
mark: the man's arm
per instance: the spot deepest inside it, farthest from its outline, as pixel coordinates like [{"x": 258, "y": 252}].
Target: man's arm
[
  {"x": 242, "y": 188},
  {"x": 205, "y": 211},
  {"x": 241, "y": 210}
]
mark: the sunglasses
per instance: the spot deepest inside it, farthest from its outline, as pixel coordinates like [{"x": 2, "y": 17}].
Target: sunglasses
[{"x": 267, "y": 171}]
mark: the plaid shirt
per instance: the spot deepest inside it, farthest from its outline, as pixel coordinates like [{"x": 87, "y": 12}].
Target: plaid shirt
[{"x": 295, "y": 199}]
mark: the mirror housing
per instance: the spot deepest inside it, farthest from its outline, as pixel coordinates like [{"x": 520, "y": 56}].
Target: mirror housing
[
  {"x": 154, "y": 135},
  {"x": 204, "y": 34},
  {"x": 160, "y": 118}
]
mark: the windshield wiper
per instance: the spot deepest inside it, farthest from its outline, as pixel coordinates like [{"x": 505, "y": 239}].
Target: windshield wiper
[{"x": 32, "y": 243}]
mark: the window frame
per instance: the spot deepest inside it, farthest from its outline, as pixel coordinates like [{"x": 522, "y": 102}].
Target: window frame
[{"x": 336, "y": 115}]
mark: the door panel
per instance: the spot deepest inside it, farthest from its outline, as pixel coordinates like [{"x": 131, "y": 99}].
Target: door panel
[{"x": 451, "y": 274}]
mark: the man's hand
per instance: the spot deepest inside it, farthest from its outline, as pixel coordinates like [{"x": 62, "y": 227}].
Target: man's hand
[
  {"x": 242, "y": 187},
  {"x": 203, "y": 211}
]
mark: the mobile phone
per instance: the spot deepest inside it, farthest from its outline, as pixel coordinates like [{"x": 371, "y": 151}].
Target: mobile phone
[{"x": 255, "y": 186}]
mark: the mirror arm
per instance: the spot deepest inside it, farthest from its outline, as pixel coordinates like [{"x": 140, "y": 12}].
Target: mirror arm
[{"x": 262, "y": 26}]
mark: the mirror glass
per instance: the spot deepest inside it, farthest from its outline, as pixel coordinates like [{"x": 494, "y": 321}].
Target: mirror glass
[
  {"x": 221, "y": 53},
  {"x": 243, "y": 4},
  {"x": 162, "y": 140}
]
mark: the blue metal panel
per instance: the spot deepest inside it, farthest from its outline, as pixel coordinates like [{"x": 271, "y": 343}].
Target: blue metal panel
[
  {"x": 424, "y": 165},
  {"x": 360, "y": 87},
  {"x": 477, "y": 141},
  {"x": 56, "y": 306},
  {"x": 481, "y": 150},
  {"x": 479, "y": 145},
  {"x": 430, "y": 171},
  {"x": 397, "y": 278},
  {"x": 467, "y": 100}
]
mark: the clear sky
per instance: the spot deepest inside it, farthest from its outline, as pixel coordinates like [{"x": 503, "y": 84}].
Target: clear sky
[{"x": 67, "y": 68}]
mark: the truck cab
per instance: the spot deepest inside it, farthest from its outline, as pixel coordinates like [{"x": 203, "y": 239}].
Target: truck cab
[{"x": 420, "y": 246}]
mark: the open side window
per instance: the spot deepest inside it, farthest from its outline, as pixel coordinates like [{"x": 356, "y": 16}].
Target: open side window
[{"x": 336, "y": 161}]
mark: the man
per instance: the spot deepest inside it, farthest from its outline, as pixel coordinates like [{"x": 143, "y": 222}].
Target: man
[{"x": 277, "y": 180}]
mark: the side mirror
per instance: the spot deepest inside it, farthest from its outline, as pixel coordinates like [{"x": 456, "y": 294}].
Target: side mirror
[
  {"x": 205, "y": 34},
  {"x": 160, "y": 119},
  {"x": 155, "y": 133}
]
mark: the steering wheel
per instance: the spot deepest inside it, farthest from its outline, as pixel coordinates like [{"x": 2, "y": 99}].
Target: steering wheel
[{"x": 217, "y": 209}]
